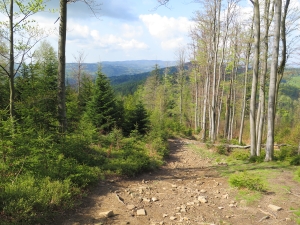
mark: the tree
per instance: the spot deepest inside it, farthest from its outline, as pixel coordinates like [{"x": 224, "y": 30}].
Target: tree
[
  {"x": 21, "y": 37},
  {"x": 102, "y": 109},
  {"x": 267, "y": 19},
  {"x": 36, "y": 90},
  {"x": 137, "y": 118},
  {"x": 255, "y": 76},
  {"x": 273, "y": 80},
  {"x": 61, "y": 94}
]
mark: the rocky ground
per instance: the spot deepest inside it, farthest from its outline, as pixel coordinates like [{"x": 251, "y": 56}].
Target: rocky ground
[{"x": 186, "y": 190}]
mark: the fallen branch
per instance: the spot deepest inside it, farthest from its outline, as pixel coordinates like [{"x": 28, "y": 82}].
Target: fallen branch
[
  {"x": 264, "y": 218},
  {"x": 291, "y": 193},
  {"x": 120, "y": 199},
  {"x": 267, "y": 213}
]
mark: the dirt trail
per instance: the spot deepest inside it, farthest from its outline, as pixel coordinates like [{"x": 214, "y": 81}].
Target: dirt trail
[{"x": 175, "y": 194}]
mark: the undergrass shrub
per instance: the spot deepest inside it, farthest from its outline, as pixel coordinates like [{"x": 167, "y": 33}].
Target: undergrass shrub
[
  {"x": 239, "y": 154},
  {"x": 247, "y": 180},
  {"x": 258, "y": 159},
  {"x": 130, "y": 160},
  {"x": 295, "y": 161},
  {"x": 222, "y": 150},
  {"x": 286, "y": 152},
  {"x": 29, "y": 199}
]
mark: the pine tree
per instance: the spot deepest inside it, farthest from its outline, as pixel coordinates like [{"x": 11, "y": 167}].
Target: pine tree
[
  {"x": 102, "y": 109},
  {"x": 136, "y": 119}
]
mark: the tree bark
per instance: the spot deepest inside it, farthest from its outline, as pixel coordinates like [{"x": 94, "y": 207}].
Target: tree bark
[
  {"x": 11, "y": 62},
  {"x": 261, "y": 113},
  {"x": 62, "y": 115},
  {"x": 255, "y": 77},
  {"x": 248, "y": 53},
  {"x": 273, "y": 80}
]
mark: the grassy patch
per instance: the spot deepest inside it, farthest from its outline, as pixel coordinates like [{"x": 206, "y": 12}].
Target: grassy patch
[
  {"x": 248, "y": 196},
  {"x": 247, "y": 180}
]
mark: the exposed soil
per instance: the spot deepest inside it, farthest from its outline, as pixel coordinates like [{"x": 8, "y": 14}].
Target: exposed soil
[{"x": 170, "y": 195}]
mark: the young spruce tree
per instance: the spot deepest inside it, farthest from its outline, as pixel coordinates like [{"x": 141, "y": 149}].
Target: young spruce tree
[{"x": 102, "y": 108}]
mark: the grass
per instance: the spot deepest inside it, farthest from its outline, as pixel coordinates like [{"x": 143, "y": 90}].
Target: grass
[
  {"x": 250, "y": 197},
  {"x": 258, "y": 176}
]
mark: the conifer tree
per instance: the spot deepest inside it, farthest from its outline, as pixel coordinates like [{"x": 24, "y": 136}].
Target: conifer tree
[{"x": 102, "y": 109}]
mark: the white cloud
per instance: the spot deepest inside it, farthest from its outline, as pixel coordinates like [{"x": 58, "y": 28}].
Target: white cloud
[
  {"x": 130, "y": 31},
  {"x": 76, "y": 30},
  {"x": 173, "y": 43},
  {"x": 114, "y": 42},
  {"x": 163, "y": 27}
]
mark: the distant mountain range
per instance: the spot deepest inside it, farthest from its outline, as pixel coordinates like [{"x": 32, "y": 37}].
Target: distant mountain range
[{"x": 119, "y": 68}]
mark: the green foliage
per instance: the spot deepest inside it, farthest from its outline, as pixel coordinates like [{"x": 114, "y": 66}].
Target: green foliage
[
  {"x": 27, "y": 199},
  {"x": 247, "y": 180},
  {"x": 222, "y": 150},
  {"x": 136, "y": 118},
  {"x": 295, "y": 161},
  {"x": 285, "y": 153},
  {"x": 101, "y": 110},
  {"x": 239, "y": 154},
  {"x": 258, "y": 159}
]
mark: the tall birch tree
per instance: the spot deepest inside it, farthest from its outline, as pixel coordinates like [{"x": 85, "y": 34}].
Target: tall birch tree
[
  {"x": 255, "y": 76},
  {"x": 21, "y": 37},
  {"x": 273, "y": 80}
]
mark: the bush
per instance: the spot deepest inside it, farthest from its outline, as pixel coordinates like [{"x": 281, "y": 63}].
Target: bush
[
  {"x": 240, "y": 154},
  {"x": 258, "y": 159},
  {"x": 29, "y": 199},
  {"x": 285, "y": 152},
  {"x": 295, "y": 161},
  {"x": 246, "y": 180},
  {"x": 222, "y": 150}
]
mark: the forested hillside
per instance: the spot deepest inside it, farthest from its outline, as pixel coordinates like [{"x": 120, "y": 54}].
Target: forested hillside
[
  {"x": 118, "y": 68},
  {"x": 64, "y": 127}
]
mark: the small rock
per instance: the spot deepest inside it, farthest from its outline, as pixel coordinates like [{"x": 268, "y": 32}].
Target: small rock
[
  {"x": 202, "y": 199},
  {"x": 228, "y": 217},
  {"x": 183, "y": 210},
  {"x": 174, "y": 186},
  {"x": 190, "y": 203},
  {"x": 203, "y": 191},
  {"x": 146, "y": 200},
  {"x": 225, "y": 196},
  {"x": 232, "y": 205},
  {"x": 141, "y": 212},
  {"x": 274, "y": 207},
  {"x": 173, "y": 218},
  {"x": 130, "y": 207},
  {"x": 288, "y": 219},
  {"x": 154, "y": 199},
  {"x": 232, "y": 202},
  {"x": 221, "y": 207},
  {"x": 107, "y": 214},
  {"x": 165, "y": 215}
]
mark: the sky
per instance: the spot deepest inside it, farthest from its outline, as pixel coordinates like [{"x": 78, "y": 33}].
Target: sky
[{"x": 125, "y": 29}]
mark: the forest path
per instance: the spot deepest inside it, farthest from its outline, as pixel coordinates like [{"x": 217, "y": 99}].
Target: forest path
[{"x": 175, "y": 194}]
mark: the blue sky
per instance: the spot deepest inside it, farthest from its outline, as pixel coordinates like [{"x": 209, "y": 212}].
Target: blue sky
[{"x": 124, "y": 30}]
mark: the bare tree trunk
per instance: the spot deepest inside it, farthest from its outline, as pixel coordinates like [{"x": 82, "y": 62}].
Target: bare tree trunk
[
  {"x": 248, "y": 53},
  {"x": 273, "y": 78},
  {"x": 204, "y": 114},
  {"x": 220, "y": 107},
  {"x": 62, "y": 115},
  {"x": 11, "y": 63},
  {"x": 196, "y": 102},
  {"x": 281, "y": 67},
  {"x": 261, "y": 113},
  {"x": 216, "y": 37},
  {"x": 255, "y": 77}
]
